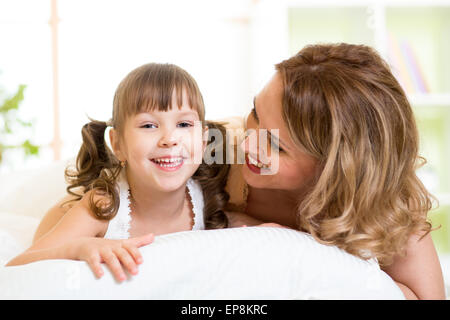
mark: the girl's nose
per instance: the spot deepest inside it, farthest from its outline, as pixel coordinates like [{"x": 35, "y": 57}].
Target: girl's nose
[{"x": 168, "y": 139}]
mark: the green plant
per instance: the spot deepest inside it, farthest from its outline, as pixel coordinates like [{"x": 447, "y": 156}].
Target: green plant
[{"x": 10, "y": 123}]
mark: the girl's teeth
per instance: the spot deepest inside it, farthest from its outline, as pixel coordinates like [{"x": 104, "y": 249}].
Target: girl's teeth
[
  {"x": 168, "y": 163},
  {"x": 168, "y": 160}
]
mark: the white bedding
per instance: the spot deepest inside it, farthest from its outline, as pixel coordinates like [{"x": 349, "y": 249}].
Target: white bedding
[
  {"x": 16, "y": 235},
  {"x": 243, "y": 263}
]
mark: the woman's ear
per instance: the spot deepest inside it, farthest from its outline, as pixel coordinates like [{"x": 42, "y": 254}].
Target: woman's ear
[{"x": 115, "y": 144}]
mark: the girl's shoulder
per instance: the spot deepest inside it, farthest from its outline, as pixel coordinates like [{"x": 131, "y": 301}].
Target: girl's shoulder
[
  {"x": 119, "y": 226},
  {"x": 76, "y": 222},
  {"x": 100, "y": 199},
  {"x": 86, "y": 213},
  {"x": 54, "y": 215}
]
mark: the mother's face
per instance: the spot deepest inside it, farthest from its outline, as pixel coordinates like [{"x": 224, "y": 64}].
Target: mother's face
[{"x": 296, "y": 169}]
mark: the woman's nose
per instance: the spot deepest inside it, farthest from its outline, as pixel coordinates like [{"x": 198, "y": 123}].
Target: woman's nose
[
  {"x": 256, "y": 144},
  {"x": 250, "y": 143}
]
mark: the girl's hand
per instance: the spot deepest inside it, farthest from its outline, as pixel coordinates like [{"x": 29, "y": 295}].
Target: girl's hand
[{"x": 117, "y": 254}]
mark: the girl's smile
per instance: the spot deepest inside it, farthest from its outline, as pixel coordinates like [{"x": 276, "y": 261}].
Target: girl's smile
[{"x": 168, "y": 163}]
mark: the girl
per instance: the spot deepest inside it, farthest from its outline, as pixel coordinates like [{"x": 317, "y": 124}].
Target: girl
[
  {"x": 346, "y": 168},
  {"x": 152, "y": 183}
]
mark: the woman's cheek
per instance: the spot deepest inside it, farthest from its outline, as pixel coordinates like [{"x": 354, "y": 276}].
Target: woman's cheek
[{"x": 290, "y": 175}]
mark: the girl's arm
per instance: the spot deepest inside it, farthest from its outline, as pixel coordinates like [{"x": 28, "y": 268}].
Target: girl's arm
[
  {"x": 52, "y": 216},
  {"x": 419, "y": 273},
  {"x": 76, "y": 223},
  {"x": 75, "y": 237}
]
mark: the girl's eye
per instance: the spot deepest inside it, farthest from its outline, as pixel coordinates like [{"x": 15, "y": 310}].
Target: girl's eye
[
  {"x": 185, "y": 124},
  {"x": 149, "y": 126}
]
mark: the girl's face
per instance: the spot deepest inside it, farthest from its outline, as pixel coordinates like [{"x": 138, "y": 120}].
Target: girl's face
[
  {"x": 296, "y": 169},
  {"x": 162, "y": 149}
]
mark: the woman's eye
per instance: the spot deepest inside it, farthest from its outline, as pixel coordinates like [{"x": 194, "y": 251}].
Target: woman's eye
[
  {"x": 255, "y": 116},
  {"x": 275, "y": 145},
  {"x": 184, "y": 125}
]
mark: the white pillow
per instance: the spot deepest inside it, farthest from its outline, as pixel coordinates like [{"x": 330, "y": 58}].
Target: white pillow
[
  {"x": 240, "y": 263},
  {"x": 33, "y": 192},
  {"x": 16, "y": 234}
]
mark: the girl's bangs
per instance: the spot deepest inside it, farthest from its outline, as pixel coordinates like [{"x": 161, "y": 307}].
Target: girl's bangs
[
  {"x": 163, "y": 96},
  {"x": 156, "y": 87},
  {"x": 152, "y": 99}
]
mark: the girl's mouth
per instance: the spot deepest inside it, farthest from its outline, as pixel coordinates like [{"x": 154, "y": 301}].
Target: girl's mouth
[{"x": 168, "y": 163}]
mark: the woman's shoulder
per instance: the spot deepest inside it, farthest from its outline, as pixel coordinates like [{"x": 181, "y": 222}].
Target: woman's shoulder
[
  {"x": 236, "y": 186},
  {"x": 237, "y": 189},
  {"x": 235, "y": 122},
  {"x": 235, "y": 127}
]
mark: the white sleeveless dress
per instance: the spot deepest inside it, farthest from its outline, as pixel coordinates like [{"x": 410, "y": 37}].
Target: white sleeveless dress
[{"x": 118, "y": 227}]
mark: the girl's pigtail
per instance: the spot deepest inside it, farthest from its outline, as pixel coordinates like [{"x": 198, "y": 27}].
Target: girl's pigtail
[
  {"x": 96, "y": 168},
  {"x": 213, "y": 178}
]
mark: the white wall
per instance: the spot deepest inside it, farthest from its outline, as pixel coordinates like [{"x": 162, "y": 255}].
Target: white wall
[{"x": 100, "y": 41}]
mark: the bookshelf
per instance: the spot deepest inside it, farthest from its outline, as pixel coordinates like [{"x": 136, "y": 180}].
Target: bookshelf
[{"x": 413, "y": 36}]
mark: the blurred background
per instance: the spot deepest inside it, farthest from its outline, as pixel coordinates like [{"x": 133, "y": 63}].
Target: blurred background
[{"x": 61, "y": 60}]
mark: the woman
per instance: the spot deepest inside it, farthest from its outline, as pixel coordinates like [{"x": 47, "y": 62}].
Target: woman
[{"x": 346, "y": 164}]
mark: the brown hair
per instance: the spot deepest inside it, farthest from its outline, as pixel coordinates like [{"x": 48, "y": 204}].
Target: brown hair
[
  {"x": 146, "y": 88},
  {"x": 343, "y": 106}
]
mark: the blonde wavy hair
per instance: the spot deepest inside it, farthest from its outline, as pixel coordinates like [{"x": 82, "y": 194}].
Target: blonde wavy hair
[{"x": 343, "y": 106}]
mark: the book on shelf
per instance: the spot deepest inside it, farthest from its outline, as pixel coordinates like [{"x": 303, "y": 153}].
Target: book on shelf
[{"x": 406, "y": 67}]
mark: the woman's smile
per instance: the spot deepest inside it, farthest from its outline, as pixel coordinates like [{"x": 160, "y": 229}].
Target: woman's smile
[{"x": 254, "y": 165}]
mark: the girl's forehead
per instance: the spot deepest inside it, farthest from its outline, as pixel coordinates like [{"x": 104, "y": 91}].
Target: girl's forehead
[{"x": 173, "y": 111}]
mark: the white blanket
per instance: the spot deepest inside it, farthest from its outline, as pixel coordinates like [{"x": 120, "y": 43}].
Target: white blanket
[{"x": 242, "y": 263}]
